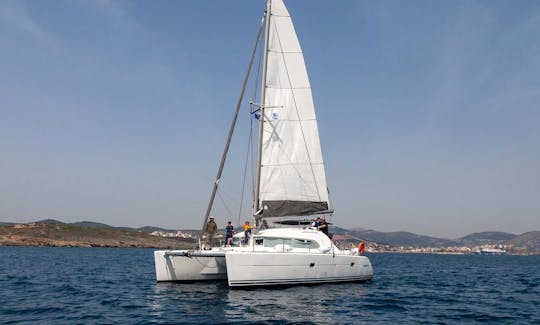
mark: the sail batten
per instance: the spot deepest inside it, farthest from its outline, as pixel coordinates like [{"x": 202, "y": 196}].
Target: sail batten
[{"x": 292, "y": 177}]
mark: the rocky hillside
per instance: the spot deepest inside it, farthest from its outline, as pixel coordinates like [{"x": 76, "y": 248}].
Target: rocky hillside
[
  {"x": 524, "y": 243},
  {"x": 402, "y": 238},
  {"x": 61, "y": 234},
  {"x": 528, "y": 241},
  {"x": 486, "y": 238}
]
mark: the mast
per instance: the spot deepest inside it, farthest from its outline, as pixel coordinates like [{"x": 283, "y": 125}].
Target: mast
[
  {"x": 256, "y": 206},
  {"x": 231, "y": 131}
]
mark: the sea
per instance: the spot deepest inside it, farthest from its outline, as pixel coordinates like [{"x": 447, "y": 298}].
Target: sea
[{"x": 44, "y": 285}]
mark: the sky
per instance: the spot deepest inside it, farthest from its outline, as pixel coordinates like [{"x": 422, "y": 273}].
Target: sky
[{"x": 117, "y": 111}]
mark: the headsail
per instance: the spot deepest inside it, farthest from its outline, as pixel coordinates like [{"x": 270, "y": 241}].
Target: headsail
[{"x": 292, "y": 177}]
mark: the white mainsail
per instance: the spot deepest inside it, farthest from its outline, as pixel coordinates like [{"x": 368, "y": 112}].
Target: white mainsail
[{"x": 292, "y": 177}]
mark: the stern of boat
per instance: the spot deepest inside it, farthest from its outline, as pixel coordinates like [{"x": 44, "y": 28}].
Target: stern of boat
[{"x": 184, "y": 265}]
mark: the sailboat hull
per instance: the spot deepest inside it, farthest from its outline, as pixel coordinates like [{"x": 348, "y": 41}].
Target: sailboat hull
[
  {"x": 184, "y": 265},
  {"x": 268, "y": 268}
]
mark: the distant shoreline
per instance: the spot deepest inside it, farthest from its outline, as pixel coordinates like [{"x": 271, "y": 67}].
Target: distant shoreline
[
  {"x": 63, "y": 235},
  {"x": 53, "y": 233}
]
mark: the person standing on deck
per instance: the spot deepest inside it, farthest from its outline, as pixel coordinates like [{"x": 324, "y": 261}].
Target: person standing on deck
[
  {"x": 229, "y": 232},
  {"x": 210, "y": 231},
  {"x": 247, "y": 232},
  {"x": 316, "y": 223},
  {"x": 324, "y": 227}
]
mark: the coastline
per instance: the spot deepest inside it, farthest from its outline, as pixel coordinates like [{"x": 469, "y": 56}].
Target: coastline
[{"x": 53, "y": 235}]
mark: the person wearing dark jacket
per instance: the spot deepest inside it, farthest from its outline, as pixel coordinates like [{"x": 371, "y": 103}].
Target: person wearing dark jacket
[
  {"x": 229, "y": 232},
  {"x": 324, "y": 227}
]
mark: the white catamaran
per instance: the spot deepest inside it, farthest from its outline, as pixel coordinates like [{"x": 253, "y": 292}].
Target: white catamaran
[{"x": 290, "y": 184}]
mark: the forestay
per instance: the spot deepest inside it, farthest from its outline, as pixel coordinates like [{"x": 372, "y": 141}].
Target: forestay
[{"x": 292, "y": 178}]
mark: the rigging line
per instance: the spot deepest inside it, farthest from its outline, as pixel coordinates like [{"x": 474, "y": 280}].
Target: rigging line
[
  {"x": 253, "y": 164},
  {"x": 244, "y": 178},
  {"x": 257, "y": 198},
  {"x": 229, "y": 196},
  {"x": 252, "y": 144},
  {"x": 257, "y": 76},
  {"x": 298, "y": 114},
  {"x": 231, "y": 129},
  {"x": 228, "y": 210}
]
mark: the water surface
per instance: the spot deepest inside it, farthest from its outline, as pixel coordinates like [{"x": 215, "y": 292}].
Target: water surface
[{"x": 117, "y": 285}]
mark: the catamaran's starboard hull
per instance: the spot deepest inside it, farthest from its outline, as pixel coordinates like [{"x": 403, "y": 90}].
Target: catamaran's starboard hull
[
  {"x": 183, "y": 265},
  {"x": 266, "y": 268}
]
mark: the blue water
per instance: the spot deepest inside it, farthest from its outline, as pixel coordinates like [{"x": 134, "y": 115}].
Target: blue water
[{"x": 99, "y": 285}]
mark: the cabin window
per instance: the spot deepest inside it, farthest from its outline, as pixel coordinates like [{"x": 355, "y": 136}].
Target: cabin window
[
  {"x": 271, "y": 242},
  {"x": 304, "y": 243},
  {"x": 258, "y": 241},
  {"x": 293, "y": 242}
]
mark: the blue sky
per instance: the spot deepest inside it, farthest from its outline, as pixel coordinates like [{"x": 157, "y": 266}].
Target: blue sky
[{"x": 117, "y": 111}]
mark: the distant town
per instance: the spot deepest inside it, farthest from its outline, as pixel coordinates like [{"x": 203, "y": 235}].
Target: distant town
[
  {"x": 178, "y": 233},
  {"x": 484, "y": 250}
]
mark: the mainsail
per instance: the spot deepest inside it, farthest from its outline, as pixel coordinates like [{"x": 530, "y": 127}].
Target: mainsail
[{"x": 292, "y": 179}]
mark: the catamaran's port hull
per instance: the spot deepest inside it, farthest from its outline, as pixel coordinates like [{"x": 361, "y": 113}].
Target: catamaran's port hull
[
  {"x": 248, "y": 269},
  {"x": 184, "y": 265}
]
